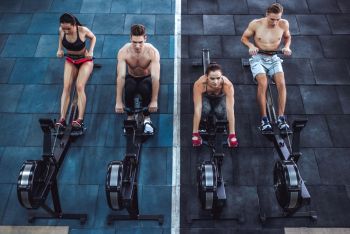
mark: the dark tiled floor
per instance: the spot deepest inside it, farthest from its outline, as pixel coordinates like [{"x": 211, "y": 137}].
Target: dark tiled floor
[
  {"x": 331, "y": 71},
  {"x": 15, "y": 23},
  {"x": 334, "y": 46},
  {"x": 320, "y": 100},
  {"x": 31, "y": 81},
  {"x": 338, "y": 23},
  {"x": 317, "y": 78},
  {"x": 318, "y": 85},
  {"x": 313, "y": 24}
]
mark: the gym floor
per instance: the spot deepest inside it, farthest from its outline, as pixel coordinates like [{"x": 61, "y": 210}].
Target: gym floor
[{"x": 318, "y": 86}]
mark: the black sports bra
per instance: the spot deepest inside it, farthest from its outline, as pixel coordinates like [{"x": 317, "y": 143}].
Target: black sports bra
[{"x": 75, "y": 46}]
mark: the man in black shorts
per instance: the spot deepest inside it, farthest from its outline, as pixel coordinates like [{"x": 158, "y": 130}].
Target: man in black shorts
[{"x": 143, "y": 66}]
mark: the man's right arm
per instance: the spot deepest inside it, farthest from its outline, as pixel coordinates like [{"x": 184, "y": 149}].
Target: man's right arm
[
  {"x": 120, "y": 82},
  {"x": 249, "y": 32}
]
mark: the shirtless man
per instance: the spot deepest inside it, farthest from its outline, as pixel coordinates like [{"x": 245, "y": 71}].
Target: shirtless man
[
  {"x": 142, "y": 60},
  {"x": 268, "y": 33},
  {"x": 213, "y": 92}
]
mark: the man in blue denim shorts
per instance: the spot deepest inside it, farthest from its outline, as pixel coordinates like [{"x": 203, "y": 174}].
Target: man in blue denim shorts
[{"x": 267, "y": 33}]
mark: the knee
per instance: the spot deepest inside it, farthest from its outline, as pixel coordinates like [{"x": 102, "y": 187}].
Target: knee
[
  {"x": 281, "y": 84},
  {"x": 80, "y": 87},
  {"x": 281, "y": 88},
  {"x": 220, "y": 113},
  {"x": 66, "y": 89},
  {"x": 205, "y": 112},
  {"x": 262, "y": 82},
  {"x": 262, "y": 85}
]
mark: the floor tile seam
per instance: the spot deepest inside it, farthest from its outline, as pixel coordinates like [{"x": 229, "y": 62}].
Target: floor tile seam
[
  {"x": 329, "y": 131},
  {"x": 96, "y": 206},
  {"x": 339, "y": 98},
  {"x": 19, "y": 96},
  {"x": 7, "y": 203},
  {"x": 51, "y": 3},
  {"x": 329, "y": 24}
]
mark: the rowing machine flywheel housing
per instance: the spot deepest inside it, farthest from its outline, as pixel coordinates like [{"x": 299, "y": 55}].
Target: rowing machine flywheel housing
[
  {"x": 31, "y": 183},
  {"x": 287, "y": 184},
  {"x": 114, "y": 185},
  {"x": 207, "y": 184}
]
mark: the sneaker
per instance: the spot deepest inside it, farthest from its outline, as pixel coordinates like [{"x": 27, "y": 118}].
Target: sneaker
[
  {"x": 148, "y": 127},
  {"x": 61, "y": 123},
  {"x": 265, "y": 125},
  {"x": 282, "y": 123},
  {"x": 78, "y": 123}
]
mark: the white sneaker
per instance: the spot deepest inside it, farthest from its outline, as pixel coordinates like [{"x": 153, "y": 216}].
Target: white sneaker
[{"x": 148, "y": 126}]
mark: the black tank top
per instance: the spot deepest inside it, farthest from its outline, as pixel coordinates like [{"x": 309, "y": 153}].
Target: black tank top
[
  {"x": 213, "y": 95},
  {"x": 75, "y": 46}
]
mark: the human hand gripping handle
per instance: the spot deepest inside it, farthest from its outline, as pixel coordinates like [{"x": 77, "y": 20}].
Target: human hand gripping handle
[
  {"x": 119, "y": 107},
  {"x": 153, "y": 106},
  {"x": 286, "y": 51},
  {"x": 89, "y": 54},
  {"x": 253, "y": 50},
  {"x": 60, "y": 53},
  {"x": 232, "y": 140},
  {"x": 196, "y": 139}
]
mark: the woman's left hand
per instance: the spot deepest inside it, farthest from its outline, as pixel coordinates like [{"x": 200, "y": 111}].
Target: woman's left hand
[{"x": 89, "y": 54}]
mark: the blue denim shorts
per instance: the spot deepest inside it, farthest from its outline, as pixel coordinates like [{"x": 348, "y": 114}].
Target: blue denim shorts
[{"x": 261, "y": 63}]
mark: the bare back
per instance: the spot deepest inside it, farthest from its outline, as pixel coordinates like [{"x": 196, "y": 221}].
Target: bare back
[{"x": 138, "y": 63}]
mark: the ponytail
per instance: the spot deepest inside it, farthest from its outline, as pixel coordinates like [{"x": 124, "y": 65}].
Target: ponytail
[{"x": 69, "y": 18}]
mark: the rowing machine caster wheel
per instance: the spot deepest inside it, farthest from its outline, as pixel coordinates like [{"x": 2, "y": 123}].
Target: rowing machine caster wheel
[
  {"x": 314, "y": 218},
  {"x": 114, "y": 185},
  {"x": 82, "y": 221},
  {"x": 241, "y": 219},
  {"x": 109, "y": 221},
  {"x": 207, "y": 185},
  {"x": 161, "y": 221},
  {"x": 30, "y": 220},
  {"x": 287, "y": 184},
  {"x": 31, "y": 183},
  {"x": 262, "y": 218}
]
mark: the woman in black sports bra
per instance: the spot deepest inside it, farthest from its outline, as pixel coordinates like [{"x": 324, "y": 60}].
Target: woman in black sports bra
[
  {"x": 78, "y": 65},
  {"x": 213, "y": 93}
]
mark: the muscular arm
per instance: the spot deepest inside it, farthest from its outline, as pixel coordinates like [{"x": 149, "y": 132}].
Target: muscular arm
[
  {"x": 120, "y": 81},
  {"x": 230, "y": 101},
  {"x": 60, "y": 46},
  {"x": 287, "y": 38},
  {"x": 197, "y": 102},
  {"x": 249, "y": 32},
  {"x": 155, "y": 74},
  {"x": 92, "y": 37}
]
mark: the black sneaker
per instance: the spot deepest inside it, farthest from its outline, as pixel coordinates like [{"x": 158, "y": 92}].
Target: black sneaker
[
  {"x": 265, "y": 125},
  {"x": 282, "y": 123},
  {"x": 61, "y": 123},
  {"x": 78, "y": 123}
]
